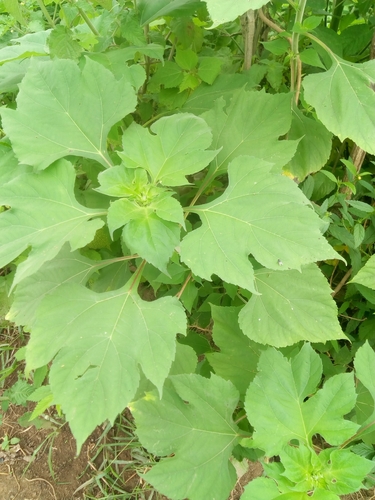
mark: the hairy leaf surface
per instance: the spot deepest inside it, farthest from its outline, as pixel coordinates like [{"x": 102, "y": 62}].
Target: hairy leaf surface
[
  {"x": 97, "y": 341},
  {"x": 275, "y": 400},
  {"x": 261, "y": 212},
  {"x": 44, "y": 215},
  {"x": 193, "y": 421},
  {"x": 62, "y": 111},
  {"x": 344, "y": 99},
  {"x": 66, "y": 267},
  {"x": 177, "y": 149},
  {"x": 292, "y": 306},
  {"x": 251, "y": 125}
]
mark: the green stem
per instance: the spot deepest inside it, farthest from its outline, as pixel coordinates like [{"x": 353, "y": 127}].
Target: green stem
[
  {"x": 88, "y": 22},
  {"x": 336, "y": 15},
  {"x": 295, "y": 42},
  {"x": 46, "y": 14}
]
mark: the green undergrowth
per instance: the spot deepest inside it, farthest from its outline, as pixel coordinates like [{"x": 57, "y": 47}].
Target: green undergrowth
[{"x": 187, "y": 231}]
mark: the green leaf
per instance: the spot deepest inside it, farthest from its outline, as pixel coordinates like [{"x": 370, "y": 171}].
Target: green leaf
[
  {"x": 275, "y": 400},
  {"x": 344, "y": 100},
  {"x": 144, "y": 233},
  {"x": 66, "y": 267},
  {"x": 292, "y": 306},
  {"x": 44, "y": 215},
  {"x": 278, "y": 47},
  {"x": 251, "y": 125},
  {"x": 364, "y": 363},
  {"x": 344, "y": 471},
  {"x": 261, "y": 212},
  {"x": 314, "y": 147},
  {"x": 358, "y": 235},
  {"x": 238, "y": 357},
  {"x": 366, "y": 275},
  {"x": 12, "y": 6},
  {"x": 193, "y": 421},
  {"x": 62, "y": 44},
  {"x": 170, "y": 75},
  {"x": 209, "y": 69},
  {"x": 311, "y": 57},
  {"x": 63, "y": 111},
  {"x": 152, "y": 9},
  {"x": 176, "y": 149},
  {"x": 186, "y": 59},
  {"x": 204, "y": 97},
  {"x": 90, "y": 335},
  {"x": 33, "y": 44},
  {"x": 223, "y": 11},
  {"x": 261, "y": 488}
]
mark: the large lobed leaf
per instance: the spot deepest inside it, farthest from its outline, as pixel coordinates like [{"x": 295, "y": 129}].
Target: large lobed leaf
[
  {"x": 62, "y": 111},
  {"x": 344, "y": 99},
  {"x": 44, "y": 215},
  {"x": 276, "y": 400},
  {"x": 292, "y": 306},
  {"x": 193, "y": 421},
  {"x": 251, "y": 125},
  {"x": 97, "y": 341},
  {"x": 262, "y": 213}
]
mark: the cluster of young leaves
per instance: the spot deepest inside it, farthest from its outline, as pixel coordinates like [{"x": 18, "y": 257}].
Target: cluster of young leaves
[{"x": 118, "y": 236}]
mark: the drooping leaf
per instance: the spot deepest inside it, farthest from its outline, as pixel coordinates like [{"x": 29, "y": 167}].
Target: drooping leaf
[
  {"x": 238, "y": 357},
  {"x": 96, "y": 341},
  {"x": 152, "y": 9},
  {"x": 193, "y": 421},
  {"x": 366, "y": 275},
  {"x": 276, "y": 400},
  {"x": 32, "y": 44},
  {"x": 44, "y": 215},
  {"x": 62, "y": 111},
  {"x": 344, "y": 99},
  {"x": 292, "y": 306},
  {"x": 251, "y": 125},
  {"x": 223, "y": 11},
  {"x": 261, "y": 212},
  {"x": 177, "y": 149},
  {"x": 313, "y": 149}
]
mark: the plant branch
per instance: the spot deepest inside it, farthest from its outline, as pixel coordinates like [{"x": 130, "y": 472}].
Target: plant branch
[
  {"x": 272, "y": 25},
  {"x": 87, "y": 21},
  {"x": 178, "y": 295},
  {"x": 45, "y": 13},
  {"x": 137, "y": 275},
  {"x": 342, "y": 282},
  {"x": 248, "y": 21},
  {"x": 295, "y": 60}
]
